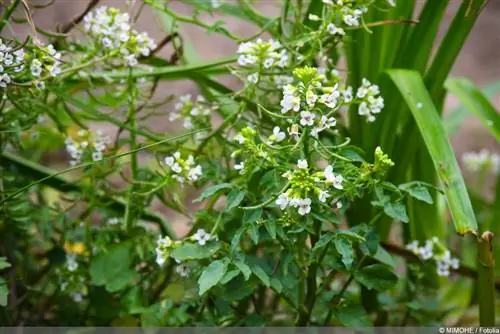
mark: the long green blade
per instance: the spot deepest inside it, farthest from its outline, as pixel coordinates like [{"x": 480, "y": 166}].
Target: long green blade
[
  {"x": 418, "y": 99},
  {"x": 476, "y": 103}
]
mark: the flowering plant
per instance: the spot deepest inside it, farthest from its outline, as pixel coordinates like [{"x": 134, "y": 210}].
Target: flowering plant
[{"x": 289, "y": 200}]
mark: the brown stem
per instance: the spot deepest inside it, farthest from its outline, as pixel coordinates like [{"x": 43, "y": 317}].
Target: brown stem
[
  {"x": 75, "y": 21},
  {"x": 410, "y": 256}
]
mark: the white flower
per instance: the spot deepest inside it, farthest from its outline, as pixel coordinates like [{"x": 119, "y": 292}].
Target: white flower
[
  {"x": 311, "y": 98},
  {"x": 334, "y": 30},
  {"x": 71, "y": 263},
  {"x": 413, "y": 246},
  {"x": 302, "y": 164},
  {"x": 313, "y": 17},
  {"x": 253, "y": 78},
  {"x": 239, "y": 138},
  {"x": 113, "y": 221},
  {"x": 278, "y": 135},
  {"x": 201, "y": 236},
  {"x": 328, "y": 122},
  {"x": 307, "y": 118},
  {"x": 483, "y": 160},
  {"x": 268, "y": 62},
  {"x": 330, "y": 100},
  {"x": 182, "y": 270},
  {"x": 282, "y": 201},
  {"x": 330, "y": 177},
  {"x": 304, "y": 206},
  {"x": 392, "y": 3},
  {"x": 294, "y": 131},
  {"x": 323, "y": 196},
  {"x": 290, "y": 102},
  {"x": 77, "y": 297},
  {"x": 195, "y": 173},
  {"x": 240, "y": 166},
  {"x": 427, "y": 251}
]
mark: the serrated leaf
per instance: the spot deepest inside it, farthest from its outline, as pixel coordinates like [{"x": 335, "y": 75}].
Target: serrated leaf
[
  {"x": 418, "y": 191},
  {"x": 189, "y": 251},
  {"x": 234, "y": 198},
  {"x": 212, "y": 275},
  {"x": 210, "y": 191},
  {"x": 396, "y": 210},
  {"x": 376, "y": 276},
  {"x": 344, "y": 248}
]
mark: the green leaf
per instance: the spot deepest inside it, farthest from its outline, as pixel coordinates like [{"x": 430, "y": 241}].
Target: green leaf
[
  {"x": 396, "y": 210},
  {"x": 418, "y": 191},
  {"x": 229, "y": 276},
  {"x": 210, "y": 191},
  {"x": 189, "y": 251},
  {"x": 212, "y": 275},
  {"x": 112, "y": 269},
  {"x": 3, "y": 263},
  {"x": 121, "y": 281},
  {"x": 262, "y": 275},
  {"x": 376, "y": 276},
  {"x": 270, "y": 225},
  {"x": 234, "y": 198},
  {"x": 476, "y": 103},
  {"x": 344, "y": 247},
  {"x": 251, "y": 216},
  {"x": 351, "y": 315},
  {"x": 412, "y": 87},
  {"x": 4, "y": 292},
  {"x": 454, "y": 119},
  {"x": 244, "y": 268},
  {"x": 383, "y": 256}
]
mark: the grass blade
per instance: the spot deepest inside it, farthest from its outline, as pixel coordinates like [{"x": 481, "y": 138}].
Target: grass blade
[
  {"x": 418, "y": 99},
  {"x": 476, "y": 103}
]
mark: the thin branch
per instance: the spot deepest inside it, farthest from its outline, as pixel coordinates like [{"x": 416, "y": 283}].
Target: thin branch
[
  {"x": 75, "y": 21},
  {"x": 411, "y": 257}
]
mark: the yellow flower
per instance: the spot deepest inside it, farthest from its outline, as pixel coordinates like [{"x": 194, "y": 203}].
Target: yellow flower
[{"x": 76, "y": 248}]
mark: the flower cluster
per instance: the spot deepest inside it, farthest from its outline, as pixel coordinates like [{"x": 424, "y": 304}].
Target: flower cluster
[
  {"x": 196, "y": 114},
  {"x": 304, "y": 183},
  {"x": 370, "y": 101},
  {"x": 261, "y": 56},
  {"x": 112, "y": 32},
  {"x": 349, "y": 11},
  {"x": 433, "y": 250},
  {"x": 183, "y": 169},
  {"x": 257, "y": 153},
  {"x": 165, "y": 245},
  {"x": 163, "y": 248},
  {"x": 17, "y": 64},
  {"x": 482, "y": 161},
  {"x": 87, "y": 143}
]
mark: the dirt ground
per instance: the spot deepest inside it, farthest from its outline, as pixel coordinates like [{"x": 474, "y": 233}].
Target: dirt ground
[{"x": 479, "y": 60}]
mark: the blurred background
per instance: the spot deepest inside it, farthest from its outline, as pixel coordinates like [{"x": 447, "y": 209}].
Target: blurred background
[{"x": 479, "y": 60}]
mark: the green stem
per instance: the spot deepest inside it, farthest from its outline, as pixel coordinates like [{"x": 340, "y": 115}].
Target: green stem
[
  {"x": 130, "y": 212},
  {"x": 8, "y": 12},
  {"x": 486, "y": 280}
]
